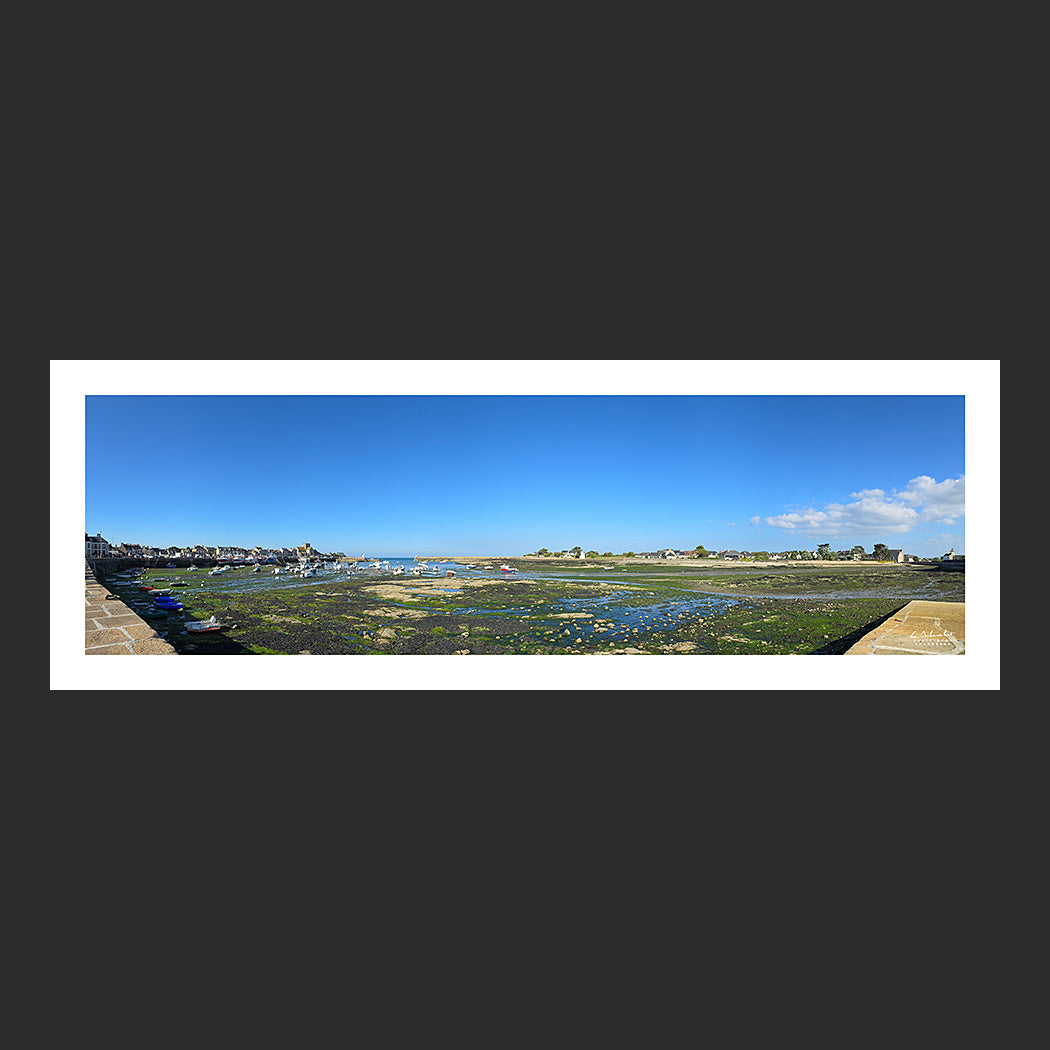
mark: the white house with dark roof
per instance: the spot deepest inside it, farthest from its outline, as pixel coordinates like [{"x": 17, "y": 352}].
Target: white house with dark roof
[{"x": 95, "y": 546}]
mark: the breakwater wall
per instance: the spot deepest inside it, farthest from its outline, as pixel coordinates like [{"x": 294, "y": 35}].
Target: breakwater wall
[
  {"x": 112, "y": 628},
  {"x": 104, "y": 566},
  {"x": 920, "y": 628}
]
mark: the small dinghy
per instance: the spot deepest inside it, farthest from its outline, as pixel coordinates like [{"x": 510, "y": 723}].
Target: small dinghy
[
  {"x": 161, "y": 590},
  {"x": 200, "y": 626}
]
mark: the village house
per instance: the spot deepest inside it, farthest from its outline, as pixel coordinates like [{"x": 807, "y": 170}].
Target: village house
[
  {"x": 730, "y": 555},
  {"x": 96, "y": 547}
]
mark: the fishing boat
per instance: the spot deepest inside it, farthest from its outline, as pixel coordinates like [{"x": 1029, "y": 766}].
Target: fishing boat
[
  {"x": 258, "y": 568},
  {"x": 200, "y": 626},
  {"x": 449, "y": 572},
  {"x": 506, "y": 568}
]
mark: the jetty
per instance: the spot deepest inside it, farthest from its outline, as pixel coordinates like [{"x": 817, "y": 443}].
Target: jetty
[
  {"x": 112, "y": 628},
  {"x": 919, "y": 629}
]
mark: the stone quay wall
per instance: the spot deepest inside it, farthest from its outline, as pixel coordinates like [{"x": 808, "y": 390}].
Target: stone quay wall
[
  {"x": 104, "y": 566},
  {"x": 111, "y": 628}
]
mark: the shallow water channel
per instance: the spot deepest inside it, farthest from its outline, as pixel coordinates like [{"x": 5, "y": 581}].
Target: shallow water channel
[{"x": 615, "y": 616}]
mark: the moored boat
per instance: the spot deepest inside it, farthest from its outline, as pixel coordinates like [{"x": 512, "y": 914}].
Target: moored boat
[{"x": 200, "y": 626}]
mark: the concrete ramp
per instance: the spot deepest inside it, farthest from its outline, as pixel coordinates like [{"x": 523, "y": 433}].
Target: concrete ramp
[{"x": 919, "y": 629}]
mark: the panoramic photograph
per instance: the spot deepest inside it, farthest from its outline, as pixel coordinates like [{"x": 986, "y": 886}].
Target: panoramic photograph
[{"x": 542, "y": 525}]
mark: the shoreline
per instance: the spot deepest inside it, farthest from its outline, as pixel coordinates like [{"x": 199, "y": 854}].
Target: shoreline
[{"x": 690, "y": 563}]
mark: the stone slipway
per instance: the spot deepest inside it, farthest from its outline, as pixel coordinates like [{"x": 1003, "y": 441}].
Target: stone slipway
[
  {"x": 919, "y": 629},
  {"x": 111, "y": 628}
]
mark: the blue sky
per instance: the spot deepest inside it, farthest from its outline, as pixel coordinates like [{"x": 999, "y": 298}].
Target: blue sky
[{"x": 505, "y": 474}]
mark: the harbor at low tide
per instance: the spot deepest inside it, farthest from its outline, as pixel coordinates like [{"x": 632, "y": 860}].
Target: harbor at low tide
[{"x": 408, "y": 607}]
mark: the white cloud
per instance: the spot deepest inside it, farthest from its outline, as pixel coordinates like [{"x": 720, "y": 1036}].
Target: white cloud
[
  {"x": 942, "y": 501},
  {"x": 872, "y": 510}
]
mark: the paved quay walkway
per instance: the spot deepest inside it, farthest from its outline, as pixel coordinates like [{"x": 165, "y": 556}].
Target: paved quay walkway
[
  {"x": 111, "y": 628},
  {"x": 919, "y": 629}
]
